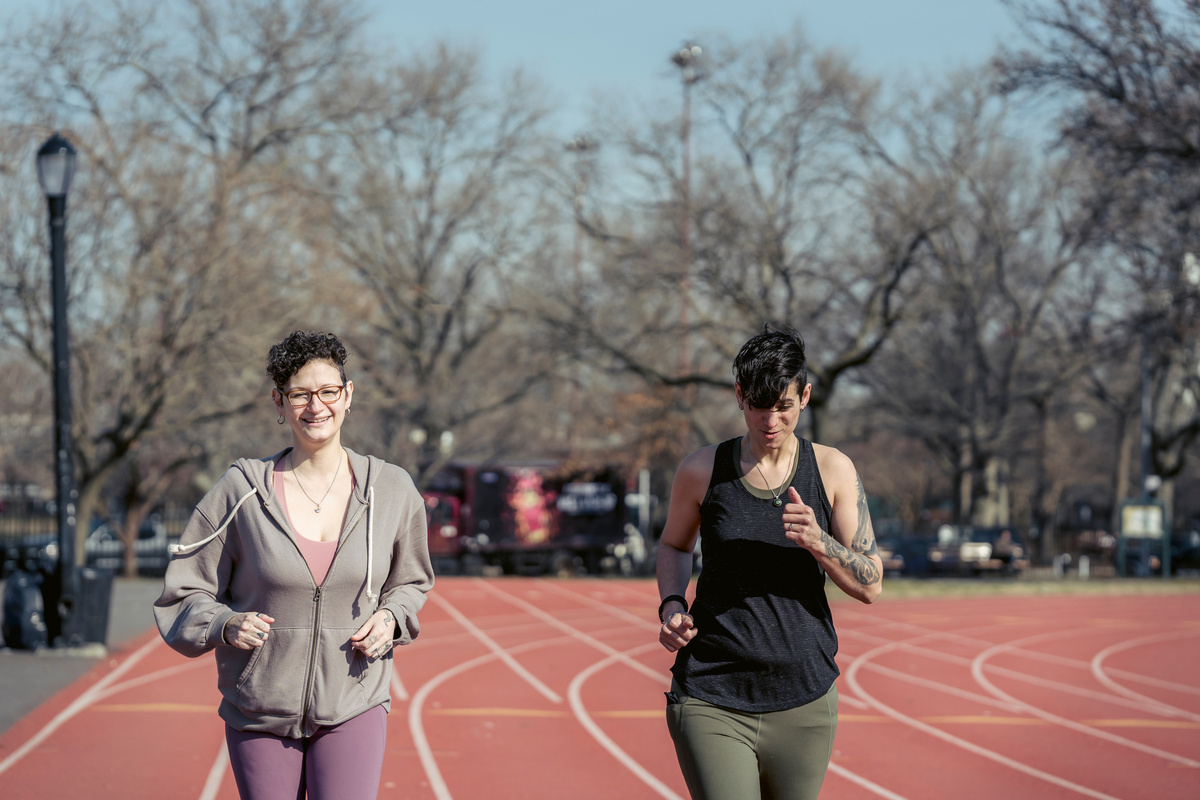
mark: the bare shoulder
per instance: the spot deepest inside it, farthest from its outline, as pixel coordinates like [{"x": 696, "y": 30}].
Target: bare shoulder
[
  {"x": 837, "y": 471},
  {"x": 697, "y": 468},
  {"x": 833, "y": 462}
]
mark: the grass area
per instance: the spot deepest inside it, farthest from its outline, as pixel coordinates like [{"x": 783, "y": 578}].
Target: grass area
[{"x": 918, "y": 588}]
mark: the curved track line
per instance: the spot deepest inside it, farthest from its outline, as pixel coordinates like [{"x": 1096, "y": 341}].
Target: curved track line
[
  {"x": 845, "y": 698},
  {"x": 398, "y": 690},
  {"x": 157, "y": 675},
  {"x": 417, "y": 728},
  {"x": 79, "y": 704},
  {"x": 977, "y": 672},
  {"x": 863, "y": 782},
  {"x": 501, "y": 653},
  {"x": 575, "y": 633},
  {"x": 1058, "y": 686},
  {"x": 1101, "y": 675},
  {"x": 1048, "y": 658},
  {"x": 216, "y": 774},
  {"x": 585, "y": 719},
  {"x": 992, "y": 755},
  {"x": 1158, "y": 683}
]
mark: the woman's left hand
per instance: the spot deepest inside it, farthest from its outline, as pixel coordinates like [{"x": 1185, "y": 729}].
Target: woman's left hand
[{"x": 375, "y": 637}]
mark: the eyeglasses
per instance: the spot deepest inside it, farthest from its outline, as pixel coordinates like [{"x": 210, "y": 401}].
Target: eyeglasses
[{"x": 299, "y": 398}]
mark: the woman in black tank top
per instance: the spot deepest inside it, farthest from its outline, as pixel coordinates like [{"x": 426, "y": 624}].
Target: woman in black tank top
[{"x": 755, "y": 666}]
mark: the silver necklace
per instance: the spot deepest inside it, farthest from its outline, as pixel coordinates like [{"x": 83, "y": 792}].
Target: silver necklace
[
  {"x": 778, "y": 501},
  {"x": 296, "y": 475}
]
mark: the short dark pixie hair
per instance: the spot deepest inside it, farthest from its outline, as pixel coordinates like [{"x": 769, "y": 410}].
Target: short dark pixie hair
[
  {"x": 299, "y": 348},
  {"x": 768, "y": 364}
]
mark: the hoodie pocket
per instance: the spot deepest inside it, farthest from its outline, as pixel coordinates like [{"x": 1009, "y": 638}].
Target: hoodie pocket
[
  {"x": 272, "y": 682},
  {"x": 346, "y": 681}
]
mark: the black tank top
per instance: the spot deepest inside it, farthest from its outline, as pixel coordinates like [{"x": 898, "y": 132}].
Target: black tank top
[{"x": 765, "y": 638}]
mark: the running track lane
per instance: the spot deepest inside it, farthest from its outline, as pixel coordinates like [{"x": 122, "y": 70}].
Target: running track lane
[{"x": 551, "y": 689}]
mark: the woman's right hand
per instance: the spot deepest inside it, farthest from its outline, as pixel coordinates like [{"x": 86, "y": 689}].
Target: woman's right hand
[
  {"x": 248, "y": 631},
  {"x": 677, "y": 630}
]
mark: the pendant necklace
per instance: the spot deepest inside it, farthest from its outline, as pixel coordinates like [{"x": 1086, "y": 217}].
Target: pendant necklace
[
  {"x": 778, "y": 501},
  {"x": 292, "y": 461}
]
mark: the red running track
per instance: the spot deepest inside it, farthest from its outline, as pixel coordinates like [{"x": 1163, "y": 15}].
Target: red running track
[{"x": 553, "y": 689}]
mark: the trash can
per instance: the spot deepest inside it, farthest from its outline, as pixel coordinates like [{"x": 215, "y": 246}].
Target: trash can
[
  {"x": 24, "y": 623},
  {"x": 89, "y": 622}
]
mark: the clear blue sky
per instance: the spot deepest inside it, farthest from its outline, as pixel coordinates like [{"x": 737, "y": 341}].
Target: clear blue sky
[
  {"x": 623, "y": 46},
  {"x": 579, "y": 49}
]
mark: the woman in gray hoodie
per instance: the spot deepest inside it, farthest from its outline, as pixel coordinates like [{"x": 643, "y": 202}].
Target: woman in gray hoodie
[{"x": 302, "y": 571}]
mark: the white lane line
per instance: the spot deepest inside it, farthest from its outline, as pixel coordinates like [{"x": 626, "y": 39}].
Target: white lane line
[
  {"x": 1158, "y": 683},
  {"x": 977, "y": 670},
  {"x": 863, "y": 782},
  {"x": 588, "y": 639},
  {"x": 501, "y": 653},
  {"x": 151, "y": 677},
  {"x": 1020, "y": 766},
  {"x": 853, "y": 702},
  {"x": 1035, "y": 680},
  {"x": 212, "y": 785},
  {"x": 598, "y": 733},
  {"x": 398, "y": 690},
  {"x": 1048, "y": 658},
  {"x": 585, "y": 719},
  {"x": 975, "y": 697},
  {"x": 417, "y": 727},
  {"x": 1102, "y": 675},
  {"x": 79, "y": 704}
]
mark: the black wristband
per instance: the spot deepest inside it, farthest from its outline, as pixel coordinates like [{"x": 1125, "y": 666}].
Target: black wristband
[{"x": 669, "y": 598}]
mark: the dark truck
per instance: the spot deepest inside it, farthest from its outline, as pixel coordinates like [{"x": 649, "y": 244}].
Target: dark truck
[{"x": 528, "y": 519}]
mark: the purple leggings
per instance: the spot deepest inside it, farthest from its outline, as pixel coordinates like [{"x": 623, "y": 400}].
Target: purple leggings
[{"x": 342, "y": 761}]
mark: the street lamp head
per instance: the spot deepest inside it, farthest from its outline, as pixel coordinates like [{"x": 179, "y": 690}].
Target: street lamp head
[
  {"x": 56, "y": 166},
  {"x": 687, "y": 58},
  {"x": 581, "y": 143}
]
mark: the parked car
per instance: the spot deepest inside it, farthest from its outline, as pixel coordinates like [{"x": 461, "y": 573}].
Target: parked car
[
  {"x": 967, "y": 550},
  {"x": 29, "y": 553},
  {"x": 105, "y": 550},
  {"x": 890, "y": 552},
  {"x": 102, "y": 549}
]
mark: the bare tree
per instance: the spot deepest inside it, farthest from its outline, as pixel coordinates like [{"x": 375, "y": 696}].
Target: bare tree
[
  {"x": 186, "y": 116},
  {"x": 435, "y": 209},
  {"x": 995, "y": 333},
  {"x": 787, "y": 142},
  {"x": 1125, "y": 72}
]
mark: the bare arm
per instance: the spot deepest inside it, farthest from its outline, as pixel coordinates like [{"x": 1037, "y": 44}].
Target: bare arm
[
  {"x": 674, "y": 558},
  {"x": 847, "y": 551}
]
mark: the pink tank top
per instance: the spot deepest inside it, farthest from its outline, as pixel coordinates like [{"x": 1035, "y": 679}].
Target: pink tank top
[{"x": 318, "y": 555}]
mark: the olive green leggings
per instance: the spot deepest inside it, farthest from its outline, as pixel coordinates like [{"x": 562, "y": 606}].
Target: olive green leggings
[{"x": 733, "y": 755}]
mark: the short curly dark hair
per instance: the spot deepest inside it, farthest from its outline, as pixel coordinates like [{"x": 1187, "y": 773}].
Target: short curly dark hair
[
  {"x": 768, "y": 364},
  {"x": 298, "y": 349}
]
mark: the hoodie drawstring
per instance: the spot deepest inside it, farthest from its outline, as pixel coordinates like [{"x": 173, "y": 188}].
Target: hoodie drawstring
[
  {"x": 180, "y": 549},
  {"x": 372, "y": 597}
]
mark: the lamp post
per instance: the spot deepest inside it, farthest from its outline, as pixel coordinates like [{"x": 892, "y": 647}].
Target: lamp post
[
  {"x": 580, "y": 146},
  {"x": 56, "y": 167},
  {"x": 687, "y": 58}
]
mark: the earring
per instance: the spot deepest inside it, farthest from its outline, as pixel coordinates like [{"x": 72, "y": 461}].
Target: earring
[
  {"x": 280, "y": 420},
  {"x": 741, "y": 407}
]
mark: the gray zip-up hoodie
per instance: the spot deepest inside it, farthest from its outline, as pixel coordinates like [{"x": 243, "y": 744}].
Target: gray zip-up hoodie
[{"x": 238, "y": 553}]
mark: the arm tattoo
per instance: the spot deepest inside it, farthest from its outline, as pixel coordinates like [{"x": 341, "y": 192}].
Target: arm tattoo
[
  {"x": 864, "y": 570},
  {"x": 864, "y": 537}
]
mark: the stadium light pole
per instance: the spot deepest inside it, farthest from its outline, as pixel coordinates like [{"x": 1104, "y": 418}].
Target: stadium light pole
[
  {"x": 687, "y": 58},
  {"x": 580, "y": 147},
  {"x": 56, "y": 168}
]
